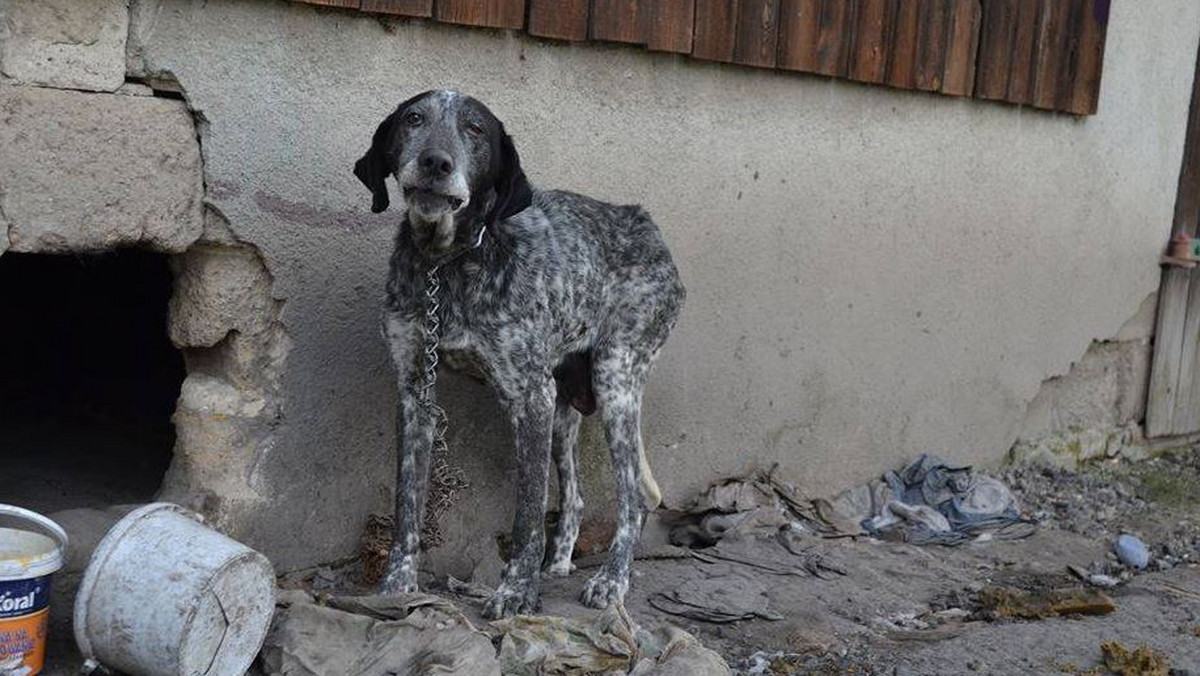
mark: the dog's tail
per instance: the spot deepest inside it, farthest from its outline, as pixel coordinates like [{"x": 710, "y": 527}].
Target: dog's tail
[{"x": 650, "y": 491}]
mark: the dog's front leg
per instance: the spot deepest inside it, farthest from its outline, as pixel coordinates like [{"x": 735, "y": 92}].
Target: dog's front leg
[
  {"x": 414, "y": 439},
  {"x": 533, "y": 416}
]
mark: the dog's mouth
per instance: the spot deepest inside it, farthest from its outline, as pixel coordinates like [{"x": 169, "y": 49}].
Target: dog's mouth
[{"x": 431, "y": 202}]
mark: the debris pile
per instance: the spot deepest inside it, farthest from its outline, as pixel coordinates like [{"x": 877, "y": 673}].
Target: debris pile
[
  {"x": 1108, "y": 501},
  {"x": 1141, "y": 662},
  {"x": 1087, "y": 503},
  {"x": 999, "y": 602},
  {"x": 609, "y": 643},
  {"x": 421, "y": 634},
  {"x": 928, "y": 501}
]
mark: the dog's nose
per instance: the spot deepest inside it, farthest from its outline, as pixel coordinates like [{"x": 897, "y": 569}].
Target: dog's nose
[{"x": 435, "y": 163}]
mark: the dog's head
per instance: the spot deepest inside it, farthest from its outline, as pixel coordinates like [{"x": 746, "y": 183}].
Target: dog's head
[{"x": 455, "y": 165}]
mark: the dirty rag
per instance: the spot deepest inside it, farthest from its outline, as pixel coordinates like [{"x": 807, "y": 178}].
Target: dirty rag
[
  {"x": 758, "y": 504},
  {"x": 607, "y": 643},
  {"x": 374, "y": 636},
  {"x": 423, "y": 635},
  {"x": 931, "y": 501}
]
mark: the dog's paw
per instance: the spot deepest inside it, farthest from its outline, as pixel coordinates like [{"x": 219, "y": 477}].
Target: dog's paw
[
  {"x": 392, "y": 589},
  {"x": 604, "y": 590},
  {"x": 559, "y": 567},
  {"x": 512, "y": 599},
  {"x": 401, "y": 578}
]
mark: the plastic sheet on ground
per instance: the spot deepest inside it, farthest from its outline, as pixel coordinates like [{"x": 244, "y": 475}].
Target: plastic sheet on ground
[
  {"x": 608, "y": 643},
  {"x": 421, "y": 634},
  {"x": 374, "y": 636}
]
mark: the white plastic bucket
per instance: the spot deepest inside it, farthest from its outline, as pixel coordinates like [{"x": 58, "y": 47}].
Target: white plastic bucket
[
  {"x": 164, "y": 595},
  {"x": 27, "y": 562}
]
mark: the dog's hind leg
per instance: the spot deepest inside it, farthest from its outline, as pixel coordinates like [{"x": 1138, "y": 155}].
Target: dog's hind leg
[{"x": 570, "y": 502}]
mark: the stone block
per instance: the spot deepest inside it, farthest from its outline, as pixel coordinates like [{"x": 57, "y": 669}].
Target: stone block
[
  {"x": 90, "y": 172},
  {"x": 72, "y": 44},
  {"x": 219, "y": 289}
]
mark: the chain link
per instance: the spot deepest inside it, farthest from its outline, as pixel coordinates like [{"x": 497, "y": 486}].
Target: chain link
[
  {"x": 444, "y": 480},
  {"x": 432, "y": 330}
]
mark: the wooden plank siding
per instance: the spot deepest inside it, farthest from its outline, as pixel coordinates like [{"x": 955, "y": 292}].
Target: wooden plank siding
[
  {"x": 421, "y": 8},
  {"x": 1018, "y": 87},
  {"x": 872, "y": 40},
  {"x": 1089, "y": 60},
  {"x": 715, "y": 32},
  {"x": 619, "y": 21},
  {"x": 670, "y": 25},
  {"x": 757, "y": 33},
  {"x": 347, "y": 4},
  {"x": 799, "y": 34},
  {"x": 933, "y": 18},
  {"x": 559, "y": 19},
  {"x": 903, "y": 45},
  {"x": 958, "y": 71},
  {"x": 486, "y": 13},
  {"x": 835, "y": 39},
  {"x": 993, "y": 66},
  {"x": 1043, "y": 53},
  {"x": 1050, "y": 52}
]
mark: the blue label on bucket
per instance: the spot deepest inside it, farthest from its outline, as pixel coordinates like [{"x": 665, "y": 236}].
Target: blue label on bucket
[{"x": 24, "y": 597}]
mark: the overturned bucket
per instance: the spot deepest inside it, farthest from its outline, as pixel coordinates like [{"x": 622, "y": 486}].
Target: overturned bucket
[
  {"x": 27, "y": 562},
  {"x": 164, "y": 595}
]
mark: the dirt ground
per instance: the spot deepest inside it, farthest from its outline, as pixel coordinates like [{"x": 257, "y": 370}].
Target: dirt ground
[
  {"x": 905, "y": 609},
  {"x": 873, "y": 620}
]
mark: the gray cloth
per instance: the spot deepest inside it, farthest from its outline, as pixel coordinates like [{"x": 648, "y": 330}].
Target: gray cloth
[
  {"x": 607, "y": 643},
  {"x": 929, "y": 501},
  {"x": 415, "y": 634},
  {"x": 756, "y": 504},
  {"x": 424, "y": 635},
  {"x": 933, "y": 502}
]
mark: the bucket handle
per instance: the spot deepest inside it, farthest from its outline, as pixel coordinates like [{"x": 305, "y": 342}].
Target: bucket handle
[{"x": 38, "y": 520}]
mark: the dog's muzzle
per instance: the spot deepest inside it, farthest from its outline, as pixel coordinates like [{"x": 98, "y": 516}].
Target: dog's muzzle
[{"x": 433, "y": 203}]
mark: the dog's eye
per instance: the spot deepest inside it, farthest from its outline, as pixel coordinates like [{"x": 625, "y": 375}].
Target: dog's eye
[
  {"x": 474, "y": 129},
  {"x": 413, "y": 119}
]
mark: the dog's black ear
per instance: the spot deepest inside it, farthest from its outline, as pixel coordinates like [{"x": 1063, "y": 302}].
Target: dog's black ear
[
  {"x": 513, "y": 193},
  {"x": 380, "y": 161}
]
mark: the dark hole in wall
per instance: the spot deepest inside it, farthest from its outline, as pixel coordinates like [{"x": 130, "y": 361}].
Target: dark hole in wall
[{"x": 88, "y": 379}]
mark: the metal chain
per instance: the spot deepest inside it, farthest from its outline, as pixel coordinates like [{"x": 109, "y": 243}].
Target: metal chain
[
  {"x": 444, "y": 480},
  {"x": 432, "y": 330}
]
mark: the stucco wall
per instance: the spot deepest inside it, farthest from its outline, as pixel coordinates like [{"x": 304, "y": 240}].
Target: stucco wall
[{"x": 872, "y": 274}]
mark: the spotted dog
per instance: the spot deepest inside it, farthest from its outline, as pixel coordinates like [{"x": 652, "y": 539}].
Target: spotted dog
[{"x": 559, "y": 301}]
